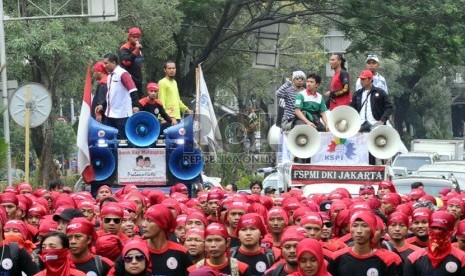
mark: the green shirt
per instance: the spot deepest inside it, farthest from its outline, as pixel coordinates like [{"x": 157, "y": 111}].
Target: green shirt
[{"x": 310, "y": 104}]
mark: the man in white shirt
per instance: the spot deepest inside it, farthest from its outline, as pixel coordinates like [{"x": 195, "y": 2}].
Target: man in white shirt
[
  {"x": 122, "y": 99},
  {"x": 379, "y": 81}
]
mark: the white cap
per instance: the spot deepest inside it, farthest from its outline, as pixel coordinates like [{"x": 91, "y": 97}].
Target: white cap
[
  {"x": 298, "y": 74},
  {"x": 372, "y": 57}
]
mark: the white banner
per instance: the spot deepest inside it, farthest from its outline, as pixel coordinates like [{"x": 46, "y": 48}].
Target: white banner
[
  {"x": 338, "y": 151},
  {"x": 141, "y": 166}
]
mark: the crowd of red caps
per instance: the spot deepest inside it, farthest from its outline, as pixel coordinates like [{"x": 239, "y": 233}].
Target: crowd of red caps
[{"x": 34, "y": 213}]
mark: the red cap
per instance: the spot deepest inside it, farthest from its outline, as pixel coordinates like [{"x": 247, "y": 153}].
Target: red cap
[
  {"x": 392, "y": 198},
  {"x": 251, "y": 220},
  {"x": 422, "y": 213},
  {"x": 442, "y": 219},
  {"x": 134, "y": 31},
  {"x": 366, "y": 74},
  {"x": 112, "y": 208},
  {"x": 368, "y": 217},
  {"x": 153, "y": 86},
  {"x": 292, "y": 233},
  {"x": 100, "y": 67},
  {"x": 313, "y": 218},
  {"x": 387, "y": 184},
  {"x": 398, "y": 217},
  {"x": 278, "y": 212},
  {"x": 461, "y": 229},
  {"x": 216, "y": 229},
  {"x": 195, "y": 231}
]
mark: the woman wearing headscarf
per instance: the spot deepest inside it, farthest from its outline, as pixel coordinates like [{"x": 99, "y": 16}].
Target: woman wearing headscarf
[
  {"x": 134, "y": 260},
  {"x": 310, "y": 259},
  {"x": 55, "y": 256}
]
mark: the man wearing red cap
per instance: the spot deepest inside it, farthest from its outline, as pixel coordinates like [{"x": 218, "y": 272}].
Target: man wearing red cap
[
  {"x": 10, "y": 202},
  {"x": 420, "y": 220},
  {"x": 456, "y": 207},
  {"x": 372, "y": 103},
  {"x": 167, "y": 257},
  {"x": 81, "y": 235},
  {"x": 250, "y": 230},
  {"x": 398, "y": 230},
  {"x": 290, "y": 238},
  {"x": 460, "y": 235},
  {"x": 276, "y": 222},
  {"x": 169, "y": 94},
  {"x": 363, "y": 259},
  {"x": 112, "y": 215},
  {"x": 236, "y": 210},
  {"x": 101, "y": 76},
  {"x": 152, "y": 104},
  {"x": 130, "y": 55},
  {"x": 440, "y": 257},
  {"x": 216, "y": 248}
]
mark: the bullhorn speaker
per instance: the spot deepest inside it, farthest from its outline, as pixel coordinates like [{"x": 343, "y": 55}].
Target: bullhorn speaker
[
  {"x": 183, "y": 131},
  {"x": 99, "y": 131},
  {"x": 186, "y": 163},
  {"x": 273, "y": 137},
  {"x": 344, "y": 121},
  {"x": 142, "y": 129},
  {"x": 383, "y": 142},
  {"x": 303, "y": 141},
  {"x": 103, "y": 162}
]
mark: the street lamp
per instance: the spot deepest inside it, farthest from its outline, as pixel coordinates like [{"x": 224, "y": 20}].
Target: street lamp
[{"x": 334, "y": 42}]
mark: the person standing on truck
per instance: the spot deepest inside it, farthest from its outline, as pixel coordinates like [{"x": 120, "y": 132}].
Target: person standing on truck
[
  {"x": 373, "y": 105},
  {"x": 339, "y": 93},
  {"x": 287, "y": 92}
]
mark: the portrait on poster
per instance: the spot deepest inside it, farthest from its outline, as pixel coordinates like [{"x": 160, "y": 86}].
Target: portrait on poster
[{"x": 142, "y": 166}]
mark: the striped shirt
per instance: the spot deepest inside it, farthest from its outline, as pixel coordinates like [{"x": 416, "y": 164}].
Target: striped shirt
[{"x": 287, "y": 92}]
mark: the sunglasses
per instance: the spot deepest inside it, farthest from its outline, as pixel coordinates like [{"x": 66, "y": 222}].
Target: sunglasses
[
  {"x": 328, "y": 224},
  {"x": 130, "y": 259},
  {"x": 362, "y": 188},
  {"x": 108, "y": 220}
]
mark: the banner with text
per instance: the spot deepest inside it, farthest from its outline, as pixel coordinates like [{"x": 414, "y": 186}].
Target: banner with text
[
  {"x": 339, "y": 151},
  {"x": 302, "y": 174},
  {"x": 142, "y": 166}
]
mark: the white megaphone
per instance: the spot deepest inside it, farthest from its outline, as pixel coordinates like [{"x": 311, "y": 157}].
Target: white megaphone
[
  {"x": 344, "y": 121},
  {"x": 383, "y": 142},
  {"x": 273, "y": 137},
  {"x": 303, "y": 141}
]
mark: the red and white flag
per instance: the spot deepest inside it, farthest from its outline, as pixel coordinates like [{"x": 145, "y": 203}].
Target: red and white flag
[{"x": 84, "y": 165}]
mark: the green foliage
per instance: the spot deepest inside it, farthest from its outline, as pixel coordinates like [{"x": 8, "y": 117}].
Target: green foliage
[{"x": 64, "y": 140}]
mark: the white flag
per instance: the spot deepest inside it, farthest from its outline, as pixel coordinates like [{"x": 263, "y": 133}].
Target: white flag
[{"x": 209, "y": 130}]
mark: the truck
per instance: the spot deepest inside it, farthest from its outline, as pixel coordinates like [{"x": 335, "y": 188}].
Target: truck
[{"x": 446, "y": 149}]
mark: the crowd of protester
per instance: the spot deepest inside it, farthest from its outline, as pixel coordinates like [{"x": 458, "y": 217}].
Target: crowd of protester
[{"x": 218, "y": 232}]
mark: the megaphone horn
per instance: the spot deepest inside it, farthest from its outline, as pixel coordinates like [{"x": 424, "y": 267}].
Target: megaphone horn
[
  {"x": 186, "y": 163},
  {"x": 99, "y": 131},
  {"x": 383, "y": 142},
  {"x": 103, "y": 162},
  {"x": 142, "y": 129},
  {"x": 273, "y": 137},
  {"x": 183, "y": 130},
  {"x": 344, "y": 121},
  {"x": 303, "y": 141}
]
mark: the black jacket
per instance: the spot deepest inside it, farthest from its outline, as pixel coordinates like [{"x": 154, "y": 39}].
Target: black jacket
[{"x": 381, "y": 106}]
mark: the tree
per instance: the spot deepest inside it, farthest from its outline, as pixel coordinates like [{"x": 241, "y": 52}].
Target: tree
[{"x": 56, "y": 52}]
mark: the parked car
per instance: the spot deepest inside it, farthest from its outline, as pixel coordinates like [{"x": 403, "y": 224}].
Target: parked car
[
  {"x": 326, "y": 188},
  {"x": 446, "y": 170},
  {"x": 432, "y": 184},
  {"x": 412, "y": 161}
]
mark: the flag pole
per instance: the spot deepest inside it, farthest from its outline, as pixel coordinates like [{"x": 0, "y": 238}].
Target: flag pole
[{"x": 197, "y": 102}]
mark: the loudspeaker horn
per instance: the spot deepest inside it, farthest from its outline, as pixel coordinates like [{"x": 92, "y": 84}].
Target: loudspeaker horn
[
  {"x": 344, "y": 121},
  {"x": 103, "y": 162},
  {"x": 383, "y": 142},
  {"x": 184, "y": 132},
  {"x": 142, "y": 129},
  {"x": 185, "y": 163},
  {"x": 273, "y": 137},
  {"x": 303, "y": 141},
  {"x": 99, "y": 131}
]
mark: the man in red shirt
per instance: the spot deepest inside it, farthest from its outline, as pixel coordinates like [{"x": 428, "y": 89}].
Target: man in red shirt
[{"x": 339, "y": 93}]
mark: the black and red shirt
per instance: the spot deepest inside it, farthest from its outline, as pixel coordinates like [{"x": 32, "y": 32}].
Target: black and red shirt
[
  {"x": 173, "y": 260},
  {"x": 380, "y": 262},
  {"x": 418, "y": 263}
]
